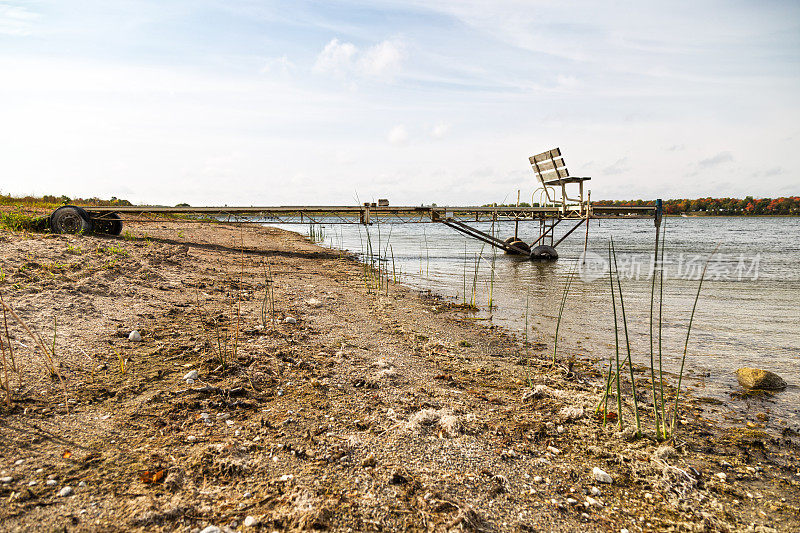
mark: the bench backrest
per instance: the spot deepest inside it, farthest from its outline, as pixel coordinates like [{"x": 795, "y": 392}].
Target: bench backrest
[{"x": 549, "y": 166}]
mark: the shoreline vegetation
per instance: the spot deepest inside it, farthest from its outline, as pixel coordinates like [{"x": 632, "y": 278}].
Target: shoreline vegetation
[
  {"x": 275, "y": 384},
  {"x": 748, "y": 206}
]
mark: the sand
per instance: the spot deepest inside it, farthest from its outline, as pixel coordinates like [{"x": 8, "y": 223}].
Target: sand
[{"x": 345, "y": 410}]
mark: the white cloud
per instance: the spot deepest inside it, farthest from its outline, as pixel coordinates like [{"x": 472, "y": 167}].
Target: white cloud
[
  {"x": 440, "y": 130},
  {"x": 398, "y": 135},
  {"x": 336, "y": 57},
  {"x": 282, "y": 65},
  {"x": 16, "y": 20},
  {"x": 382, "y": 61}
]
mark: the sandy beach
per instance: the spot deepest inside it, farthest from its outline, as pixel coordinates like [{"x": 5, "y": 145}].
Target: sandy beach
[{"x": 327, "y": 405}]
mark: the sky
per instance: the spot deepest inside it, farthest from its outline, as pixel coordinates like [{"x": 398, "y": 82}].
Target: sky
[{"x": 245, "y": 102}]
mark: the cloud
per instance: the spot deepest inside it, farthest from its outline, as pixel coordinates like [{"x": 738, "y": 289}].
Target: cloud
[
  {"x": 16, "y": 19},
  {"x": 722, "y": 157},
  {"x": 280, "y": 65},
  {"x": 382, "y": 61},
  {"x": 440, "y": 130},
  {"x": 398, "y": 135},
  {"x": 336, "y": 57},
  {"x": 618, "y": 167}
]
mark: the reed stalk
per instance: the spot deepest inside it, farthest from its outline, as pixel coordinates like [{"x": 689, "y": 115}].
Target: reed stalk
[
  {"x": 616, "y": 338},
  {"x": 561, "y": 307},
  {"x": 686, "y": 343},
  {"x": 629, "y": 359},
  {"x": 660, "y": 314},
  {"x": 652, "y": 350}
]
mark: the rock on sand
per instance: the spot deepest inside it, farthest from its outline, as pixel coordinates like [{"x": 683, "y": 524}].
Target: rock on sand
[{"x": 755, "y": 378}]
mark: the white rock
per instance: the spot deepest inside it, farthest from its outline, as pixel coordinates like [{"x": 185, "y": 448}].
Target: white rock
[
  {"x": 313, "y": 302},
  {"x": 286, "y": 477},
  {"x": 192, "y": 375},
  {"x": 250, "y": 521},
  {"x": 6, "y": 479},
  {"x": 553, "y": 450},
  {"x": 82, "y": 484},
  {"x": 135, "y": 336},
  {"x": 290, "y": 320},
  {"x": 537, "y": 479},
  {"x": 211, "y": 529},
  {"x": 591, "y": 502},
  {"x": 191, "y": 438},
  {"x": 594, "y": 491},
  {"x": 247, "y": 495},
  {"x": 601, "y": 476},
  {"x": 66, "y": 491},
  {"x": 51, "y": 482},
  {"x": 190, "y": 382},
  {"x": 722, "y": 476},
  {"x": 19, "y": 462}
]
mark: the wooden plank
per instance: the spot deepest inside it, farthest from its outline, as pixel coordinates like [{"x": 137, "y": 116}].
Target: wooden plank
[
  {"x": 545, "y": 156},
  {"x": 556, "y": 174},
  {"x": 546, "y": 165},
  {"x": 570, "y": 179}
]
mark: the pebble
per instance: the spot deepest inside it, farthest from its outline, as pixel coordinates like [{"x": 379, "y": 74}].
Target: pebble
[
  {"x": 537, "y": 479},
  {"x": 66, "y": 491},
  {"x": 6, "y": 479},
  {"x": 211, "y": 529},
  {"x": 722, "y": 476},
  {"x": 19, "y": 462},
  {"x": 313, "y": 302},
  {"x": 601, "y": 475},
  {"x": 250, "y": 521},
  {"x": 191, "y": 438},
  {"x": 553, "y": 450},
  {"x": 135, "y": 336},
  {"x": 32, "y": 483},
  {"x": 290, "y": 320},
  {"x": 51, "y": 482},
  {"x": 286, "y": 477},
  {"x": 247, "y": 495},
  {"x": 191, "y": 376},
  {"x": 82, "y": 484},
  {"x": 594, "y": 491},
  {"x": 591, "y": 502}
]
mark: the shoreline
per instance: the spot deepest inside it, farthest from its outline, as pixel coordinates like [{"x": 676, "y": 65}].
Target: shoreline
[{"x": 369, "y": 411}]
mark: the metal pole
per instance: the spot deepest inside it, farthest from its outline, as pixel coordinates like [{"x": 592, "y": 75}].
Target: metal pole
[
  {"x": 516, "y": 221},
  {"x": 588, "y": 211}
]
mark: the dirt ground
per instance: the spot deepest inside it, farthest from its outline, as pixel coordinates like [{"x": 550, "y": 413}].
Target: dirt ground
[{"x": 348, "y": 408}]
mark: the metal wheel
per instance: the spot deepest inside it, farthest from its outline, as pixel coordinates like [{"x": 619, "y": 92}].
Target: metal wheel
[
  {"x": 70, "y": 219},
  {"x": 110, "y": 224},
  {"x": 544, "y": 253},
  {"x": 519, "y": 244}
]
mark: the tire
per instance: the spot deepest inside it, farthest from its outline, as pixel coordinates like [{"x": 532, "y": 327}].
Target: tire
[
  {"x": 519, "y": 244},
  {"x": 544, "y": 253},
  {"x": 109, "y": 225},
  {"x": 70, "y": 219}
]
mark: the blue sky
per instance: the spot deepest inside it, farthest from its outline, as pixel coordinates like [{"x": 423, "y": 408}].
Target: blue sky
[{"x": 259, "y": 102}]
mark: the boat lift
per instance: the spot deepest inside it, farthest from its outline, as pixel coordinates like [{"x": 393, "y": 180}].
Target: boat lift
[{"x": 552, "y": 211}]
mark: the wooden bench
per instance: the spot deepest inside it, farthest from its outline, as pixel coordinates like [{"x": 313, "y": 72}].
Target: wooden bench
[{"x": 552, "y": 173}]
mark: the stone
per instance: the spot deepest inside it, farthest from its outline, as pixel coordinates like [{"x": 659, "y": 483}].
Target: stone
[
  {"x": 601, "y": 476},
  {"x": 757, "y": 379},
  {"x": 66, "y": 491},
  {"x": 6, "y": 479},
  {"x": 135, "y": 336},
  {"x": 191, "y": 376},
  {"x": 51, "y": 482},
  {"x": 290, "y": 320},
  {"x": 211, "y": 529},
  {"x": 250, "y": 521},
  {"x": 553, "y": 450},
  {"x": 313, "y": 302},
  {"x": 369, "y": 460}
]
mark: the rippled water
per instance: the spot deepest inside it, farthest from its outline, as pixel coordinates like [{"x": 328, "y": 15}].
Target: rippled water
[{"x": 748, "y": 314}]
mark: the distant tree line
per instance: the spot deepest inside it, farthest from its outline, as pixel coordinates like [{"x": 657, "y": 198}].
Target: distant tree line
[{"x": 789, "y": 205}]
